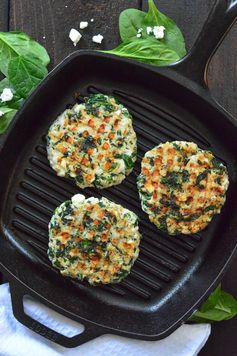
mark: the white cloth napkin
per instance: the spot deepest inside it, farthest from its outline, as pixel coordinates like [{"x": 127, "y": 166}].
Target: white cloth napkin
[{"x": 17, "y": 340}]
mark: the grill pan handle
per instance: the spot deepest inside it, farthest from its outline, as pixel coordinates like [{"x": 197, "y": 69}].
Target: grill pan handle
[
  {"x": 195, "y": 64},
  {"x": 17, "y": 294}
]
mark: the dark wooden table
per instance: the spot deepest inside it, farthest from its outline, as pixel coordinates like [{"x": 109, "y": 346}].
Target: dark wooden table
[{"x": 49, "y": 22}]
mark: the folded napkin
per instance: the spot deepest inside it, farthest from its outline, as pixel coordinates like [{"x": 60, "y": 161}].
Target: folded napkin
[{"x": 17, "y": 340}]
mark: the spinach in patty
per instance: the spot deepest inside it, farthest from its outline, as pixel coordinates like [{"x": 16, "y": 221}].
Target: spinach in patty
[
  {"x": 174, "y": 180},
  {"x": 87, "y": 143},
  {"x": 97, "y": 102},
  {"x": 202, "y": 176}
]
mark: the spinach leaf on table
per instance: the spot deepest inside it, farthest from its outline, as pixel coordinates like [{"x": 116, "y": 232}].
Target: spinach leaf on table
[
  {"x": 150, "y": 52},
  {"x": 17, "y": 100},
  {"x": 219, "y": 306},
  {"x": 131, "y": 20},
  {"x": 14, "y": 44},
  {"x": 6, "y": 118},
  {"x": 25, "y": 74},
  {"x": 23, "y": 62},
  {"x": 4, "y": 83},
  {"x": 173, "y": 36}
]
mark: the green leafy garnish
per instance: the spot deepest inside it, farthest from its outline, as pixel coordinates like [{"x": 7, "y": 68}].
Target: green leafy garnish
[
  {"x": 25, "y": 74},
  {"x": 147, "y": 48},
  {"x": 150, "y": 52},
  {"x": 6, "y": 118},
  {"x": 130, "y": 21},
  {"x": 173, "y": 36},
  {"x": 15, "y": 44},
  {"x": 219, "y": 306},
  {"x": 23, "y": 62}
]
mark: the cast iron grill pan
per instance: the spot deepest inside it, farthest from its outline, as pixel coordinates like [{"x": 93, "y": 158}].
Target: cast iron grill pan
[{"x": 172, "y": 274}]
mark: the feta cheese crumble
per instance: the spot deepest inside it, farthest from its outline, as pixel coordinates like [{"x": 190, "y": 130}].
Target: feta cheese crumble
[
  {"x": 158, "y": 32},
  {"x": 6, "y": 95},
  {"x": 83, "y": 24},
  {"x": 1, "y": 113},
  {"x": 149, "y": 30},
  {"x": 75, "y": 36},
  {"x": 97, "y": 38},
  {"x": 78, "y": 199},
  {"x": 139, "y": 32}
]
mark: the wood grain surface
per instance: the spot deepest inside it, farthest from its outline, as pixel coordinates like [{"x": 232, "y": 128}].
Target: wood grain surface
[
  {"x": 4, "y": 15},
  {"x": 190, "y": 15},
  {"x": 49, "y": 22}
]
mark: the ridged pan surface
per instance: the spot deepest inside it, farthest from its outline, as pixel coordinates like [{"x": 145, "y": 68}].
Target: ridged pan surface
[{"x": 170, "y": 269}]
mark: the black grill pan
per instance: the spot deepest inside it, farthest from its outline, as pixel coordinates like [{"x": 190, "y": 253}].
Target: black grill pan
[{"x": 172, "y": 275}]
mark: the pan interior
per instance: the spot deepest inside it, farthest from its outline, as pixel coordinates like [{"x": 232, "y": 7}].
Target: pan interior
[{"x": 162, "y": 111}]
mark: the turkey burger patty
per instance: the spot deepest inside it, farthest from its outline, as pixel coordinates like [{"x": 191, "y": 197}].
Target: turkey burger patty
[
  {"x": 93, "y": 239},
  {"x": 93, "y": 143},
  {"x": 181, "y": 187}
]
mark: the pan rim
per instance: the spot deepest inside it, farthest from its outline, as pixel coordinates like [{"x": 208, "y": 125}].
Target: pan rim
[{"x": 75, "y": 54}]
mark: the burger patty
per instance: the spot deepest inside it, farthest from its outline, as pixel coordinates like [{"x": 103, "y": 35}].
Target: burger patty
[
  {"x": 93, "y": 143},
  {"x": 93, "y": 239},
  {"x": 181, "y": 187}
]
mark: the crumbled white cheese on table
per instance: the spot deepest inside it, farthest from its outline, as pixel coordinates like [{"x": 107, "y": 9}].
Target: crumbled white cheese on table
[
  {"x": 75, "y": 36},
  {"x": 83, "y": 24},
  {"x": 97, "y": 38}
]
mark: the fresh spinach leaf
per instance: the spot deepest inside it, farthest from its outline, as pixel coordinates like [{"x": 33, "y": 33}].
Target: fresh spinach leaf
[
  {"x": 219, "y": 306},
  {"x": 23, "y": 61},
  {"x": 4, "y": 83},
  {"x": 130, "y": 20},
  {"x": 14, "y": 44},
  {"x": 6, "y": 118},
  {"x": 25, "y": 74},
  {"x": 173, "y": 36},
  {"x": 16, "y": 102},
  {"x": 148, "y": 51}
]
